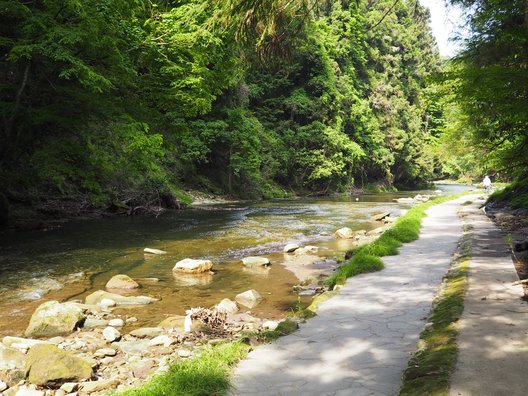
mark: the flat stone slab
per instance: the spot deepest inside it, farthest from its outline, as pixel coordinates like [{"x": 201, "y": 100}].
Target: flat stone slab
[
  {"x": 100, "y": 295},
  {"x": 360, "y": 341}
]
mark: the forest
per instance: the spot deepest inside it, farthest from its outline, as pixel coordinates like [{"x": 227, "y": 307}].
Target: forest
[{"x": 119, "y": 104}]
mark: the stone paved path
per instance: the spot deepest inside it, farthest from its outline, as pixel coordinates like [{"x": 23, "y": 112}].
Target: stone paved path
[
  {"x": 359, "y": 343},
  {"x": 493, "y": 346}
]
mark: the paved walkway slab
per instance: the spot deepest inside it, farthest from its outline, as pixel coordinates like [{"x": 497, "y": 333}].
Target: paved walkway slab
[
  {"x": 360, "y": 341},
  {"x": 493, "y": 347}
]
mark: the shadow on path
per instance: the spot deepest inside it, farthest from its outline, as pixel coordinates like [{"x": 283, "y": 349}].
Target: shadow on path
[{"x": 359, "y": 343}]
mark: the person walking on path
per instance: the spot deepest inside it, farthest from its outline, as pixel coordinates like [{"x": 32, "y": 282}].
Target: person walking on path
[{"x": 487, "y": 184}]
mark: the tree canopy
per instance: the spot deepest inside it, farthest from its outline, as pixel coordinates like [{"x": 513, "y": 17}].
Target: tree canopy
[
  {"x": 132, "y": 101},
  {"x": 486, "y": 88}
]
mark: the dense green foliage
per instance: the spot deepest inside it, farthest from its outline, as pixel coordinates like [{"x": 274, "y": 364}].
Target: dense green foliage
[
  {"x": 515, "y": 195},
  {"x": 486, "y": 88},
  {"x": 125, "y": 103}
]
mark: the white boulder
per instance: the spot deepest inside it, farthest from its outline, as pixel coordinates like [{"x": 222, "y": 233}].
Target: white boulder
[
  {"x": 193, "y": 266},
  {"x": 111, "y": 334}
]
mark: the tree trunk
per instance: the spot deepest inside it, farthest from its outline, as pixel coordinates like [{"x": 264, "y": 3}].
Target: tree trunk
[{"x": 8, "y": 126}]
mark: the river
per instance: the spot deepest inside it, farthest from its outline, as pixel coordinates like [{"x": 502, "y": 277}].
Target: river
[{"x": 73, "y": 260}]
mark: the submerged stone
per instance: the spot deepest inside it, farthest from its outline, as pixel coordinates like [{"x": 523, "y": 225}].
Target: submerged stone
[
  {"x": 98, "y": 296},
  {"x": 255, "y": 261},
  {"x": 154, "y": 251},
  {"x": 122, "y": 281}
]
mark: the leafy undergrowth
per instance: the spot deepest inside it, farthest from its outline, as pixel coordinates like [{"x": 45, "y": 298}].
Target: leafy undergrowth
[
  {"x": 368, "y": 258},
  {"x": 429, "y": 370},
  {"x": 207, "y": 374},
  {"x": 515, "y": 195}
]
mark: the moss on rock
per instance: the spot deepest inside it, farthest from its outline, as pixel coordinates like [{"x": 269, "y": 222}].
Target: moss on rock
[{"x": 48, "y": 365}]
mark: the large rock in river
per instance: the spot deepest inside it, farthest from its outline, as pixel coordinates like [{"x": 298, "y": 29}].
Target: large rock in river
[
  {"x": 53, "y": 318},
  {"x": 99, "y": 295},
  {"x": 193, "y": 266},
  {"x": 228, "y": 306},
  {"x": 12, "y": 364},
  {"x": 344, "y": 233},
  {"x": 255, "y": 261},
  {"x": 48, "y": 365},
  {"x": 250, "y": 298},
  {"x": 122, "y": 281}
]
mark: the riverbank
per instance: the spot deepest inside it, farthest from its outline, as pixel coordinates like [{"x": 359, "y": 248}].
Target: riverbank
[
  {"x": 380, "y": 316},
  {"x": 89, "y": 345},
  {"x": 19, "y": 212}
]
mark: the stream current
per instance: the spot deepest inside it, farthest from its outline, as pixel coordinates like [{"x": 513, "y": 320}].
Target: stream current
[{"x": 78, "y": 258}]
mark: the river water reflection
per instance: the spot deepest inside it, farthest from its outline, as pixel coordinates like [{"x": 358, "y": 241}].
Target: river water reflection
[{"x": 79, "y": 257}]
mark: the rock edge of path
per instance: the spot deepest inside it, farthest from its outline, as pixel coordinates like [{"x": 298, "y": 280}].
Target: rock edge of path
[{"x": 360, "y": 341}]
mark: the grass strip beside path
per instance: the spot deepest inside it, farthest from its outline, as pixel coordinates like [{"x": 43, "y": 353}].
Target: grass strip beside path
[
  {"x": 429, "y": 370},
  {"x": 368, "y": 258}
]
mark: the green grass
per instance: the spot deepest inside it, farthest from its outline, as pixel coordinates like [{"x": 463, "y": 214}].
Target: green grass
[
  {"x": 429, "y": 370},
  {"x": 207, "y": 374},
  {"x": 284, "y": 328},
  {"x": 368, "y": 258}
]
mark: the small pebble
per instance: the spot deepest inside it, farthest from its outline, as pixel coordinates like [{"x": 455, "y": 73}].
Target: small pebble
[
  {"x": 107, "y": 302},
  {"x": 184, "y": 353},
  {"x": 111, "y": 334},
  {"x": 116, "y": 323}
]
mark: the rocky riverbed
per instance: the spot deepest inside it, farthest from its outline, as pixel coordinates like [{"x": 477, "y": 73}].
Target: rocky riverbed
[
  {"x": 90, "y": 346},
  {"x": 81, "y": 348}
]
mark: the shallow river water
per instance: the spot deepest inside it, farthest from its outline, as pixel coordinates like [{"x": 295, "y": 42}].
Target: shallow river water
[{"x": 79, "y": 257}]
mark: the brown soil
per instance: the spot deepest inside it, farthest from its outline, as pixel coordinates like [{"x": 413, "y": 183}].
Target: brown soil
[{"x": 516, "y": 225}]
